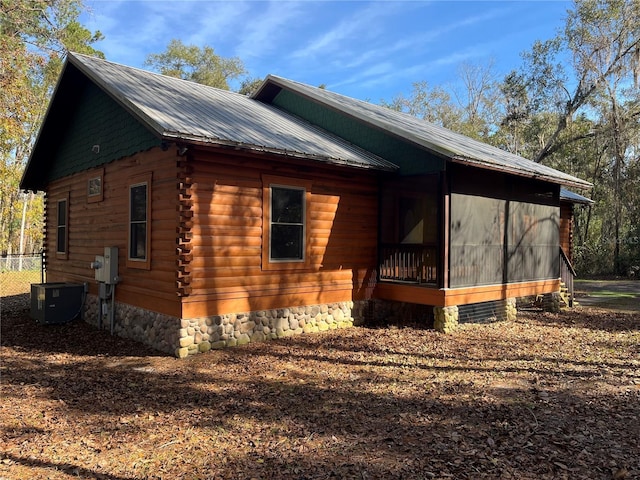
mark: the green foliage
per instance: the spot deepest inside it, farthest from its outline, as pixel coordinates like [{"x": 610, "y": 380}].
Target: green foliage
[
  {"x": 472, "y": 110},
  {"x": 249, "y": 85},
  {"x": 200, "y": 65},
  {"x": 35, "y": 35},
  {"x": 433, "y": 104}
]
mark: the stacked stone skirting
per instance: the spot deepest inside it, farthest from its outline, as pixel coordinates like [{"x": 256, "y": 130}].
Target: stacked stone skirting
[
  {"x": 184, "y": 337},
  {"x": 511, "y": 309},
  {"x": 552, "y": 302},
  {"x": 199, "y": 335},
  {"x": 157, "y": 330},
  {"x": 445, "y": 319}
]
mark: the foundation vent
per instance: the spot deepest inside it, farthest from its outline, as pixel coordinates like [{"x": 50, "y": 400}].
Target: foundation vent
[{"x": 484, "y": 312}]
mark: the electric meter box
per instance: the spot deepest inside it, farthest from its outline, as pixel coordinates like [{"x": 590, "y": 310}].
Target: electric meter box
[
  {"x": 56, "y": 303},
  {"x": 106, "y": 266}
]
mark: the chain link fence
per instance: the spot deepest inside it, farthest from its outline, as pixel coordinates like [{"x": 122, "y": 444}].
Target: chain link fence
[{"x": 18, "y": 272}]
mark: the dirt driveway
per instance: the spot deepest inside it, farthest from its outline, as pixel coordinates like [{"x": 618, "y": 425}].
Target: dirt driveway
[{"x": 616, "y": 295}]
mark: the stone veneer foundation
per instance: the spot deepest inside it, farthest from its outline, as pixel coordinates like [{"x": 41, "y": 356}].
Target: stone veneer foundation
[
  {"x": 184, "y": 337},
  {"x": 157, "y": 330},
  {"x": 198, "y": 335},
  {"x": 552, "y": 302},
  {"x": 446, "y": 319}
]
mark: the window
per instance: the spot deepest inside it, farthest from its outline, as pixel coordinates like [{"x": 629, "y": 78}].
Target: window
[
  {"x": 139, "y": 223},
  {"x": 286, "y": 239},
  {"x": 62, "y": 230},
  {"x": 285, "y": 233}
]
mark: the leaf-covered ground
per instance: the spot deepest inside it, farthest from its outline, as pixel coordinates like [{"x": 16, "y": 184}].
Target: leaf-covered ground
[{"x": 549, "y": 396}]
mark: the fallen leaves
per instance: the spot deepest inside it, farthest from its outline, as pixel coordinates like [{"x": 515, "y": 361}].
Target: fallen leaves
[{"x": 545, "y": 397}]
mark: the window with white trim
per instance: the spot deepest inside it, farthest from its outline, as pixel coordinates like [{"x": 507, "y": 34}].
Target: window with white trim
[{"x": 139, "y": 245}]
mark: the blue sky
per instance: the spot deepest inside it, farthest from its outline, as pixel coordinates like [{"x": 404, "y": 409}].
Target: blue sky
[{"x": 367, "y": 50}]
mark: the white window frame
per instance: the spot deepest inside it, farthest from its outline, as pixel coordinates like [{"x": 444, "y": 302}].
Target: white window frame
[{"x": 137, "y": 262}]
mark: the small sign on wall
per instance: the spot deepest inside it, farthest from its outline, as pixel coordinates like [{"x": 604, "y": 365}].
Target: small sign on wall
[{"x": 94, "y": 187}]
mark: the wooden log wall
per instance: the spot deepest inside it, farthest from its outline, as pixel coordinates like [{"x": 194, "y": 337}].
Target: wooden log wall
[
  {"x": 566, "y": 229},
  {"x": 207, "y": 233},
  {"x": 225, "y": 268},
  {"x": 95, "y": 225},
  {"x": 184, "y": 228}
]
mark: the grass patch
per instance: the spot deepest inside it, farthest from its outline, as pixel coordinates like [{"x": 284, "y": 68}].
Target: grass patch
[
  {"x": 602, "y": 293},
  {"x": 14, "y": 283},
  {"x": 615, "y": 295}
]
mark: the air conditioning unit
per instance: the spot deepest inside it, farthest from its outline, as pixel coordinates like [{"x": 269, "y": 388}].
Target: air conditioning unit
[{"x": 56, "y": 303}]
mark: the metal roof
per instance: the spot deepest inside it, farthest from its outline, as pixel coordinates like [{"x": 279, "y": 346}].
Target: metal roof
[
  {"x": 573, "y": 197},
  {"x": 177, "y": 109},
  {"x": 451, "y": 145}
]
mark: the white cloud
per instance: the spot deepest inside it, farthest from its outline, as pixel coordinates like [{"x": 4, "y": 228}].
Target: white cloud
[
  {"x": 350, "y": 34},
  {"x": 366, "y": 48},
  {"x": 266, "y": 30},
  {"x": 372, "y": 48},
  {"x": 214, "y": 23},
  {"x": 131, "y": 29}
]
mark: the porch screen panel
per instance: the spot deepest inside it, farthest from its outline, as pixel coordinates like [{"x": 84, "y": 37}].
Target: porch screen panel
[
  {"x": 476, "y": 252},
  {"x": 534, "y": 239}
]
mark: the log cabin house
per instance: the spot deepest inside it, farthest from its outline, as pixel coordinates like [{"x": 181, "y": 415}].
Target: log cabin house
[{"x": 238, "y": 219}]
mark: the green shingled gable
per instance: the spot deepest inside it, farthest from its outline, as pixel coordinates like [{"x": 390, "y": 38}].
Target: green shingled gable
[
  {"x": 411, "y": 159},
  {"x": 97, "y": 120}
]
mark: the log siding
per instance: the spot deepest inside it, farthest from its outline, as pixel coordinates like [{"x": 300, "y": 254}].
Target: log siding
[
  {"x": 184, "y": 228},
  {"x": 566, "y": 229},
  {"x": 229, "y": 265},
  {"x": 95, "y": 225}
]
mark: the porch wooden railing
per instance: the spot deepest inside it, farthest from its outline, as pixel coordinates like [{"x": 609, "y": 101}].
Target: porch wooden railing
[
  {"x": 408, "y": 263},
  {"x": 566, "y": 274}
]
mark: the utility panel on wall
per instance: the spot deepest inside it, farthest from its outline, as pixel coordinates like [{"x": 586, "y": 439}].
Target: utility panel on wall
[{"x": 106, "y": 266}]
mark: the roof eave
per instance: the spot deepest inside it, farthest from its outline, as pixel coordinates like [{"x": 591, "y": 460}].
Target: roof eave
[
  {"x": 166, "y": 135},
  {"x": 575, "y": 198},
  {"x": 579, "y": 202},
  {"x": 270, "y": 80},
  {"x": 573, "y": 182},
  {"x": 210, "y": 142}
]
